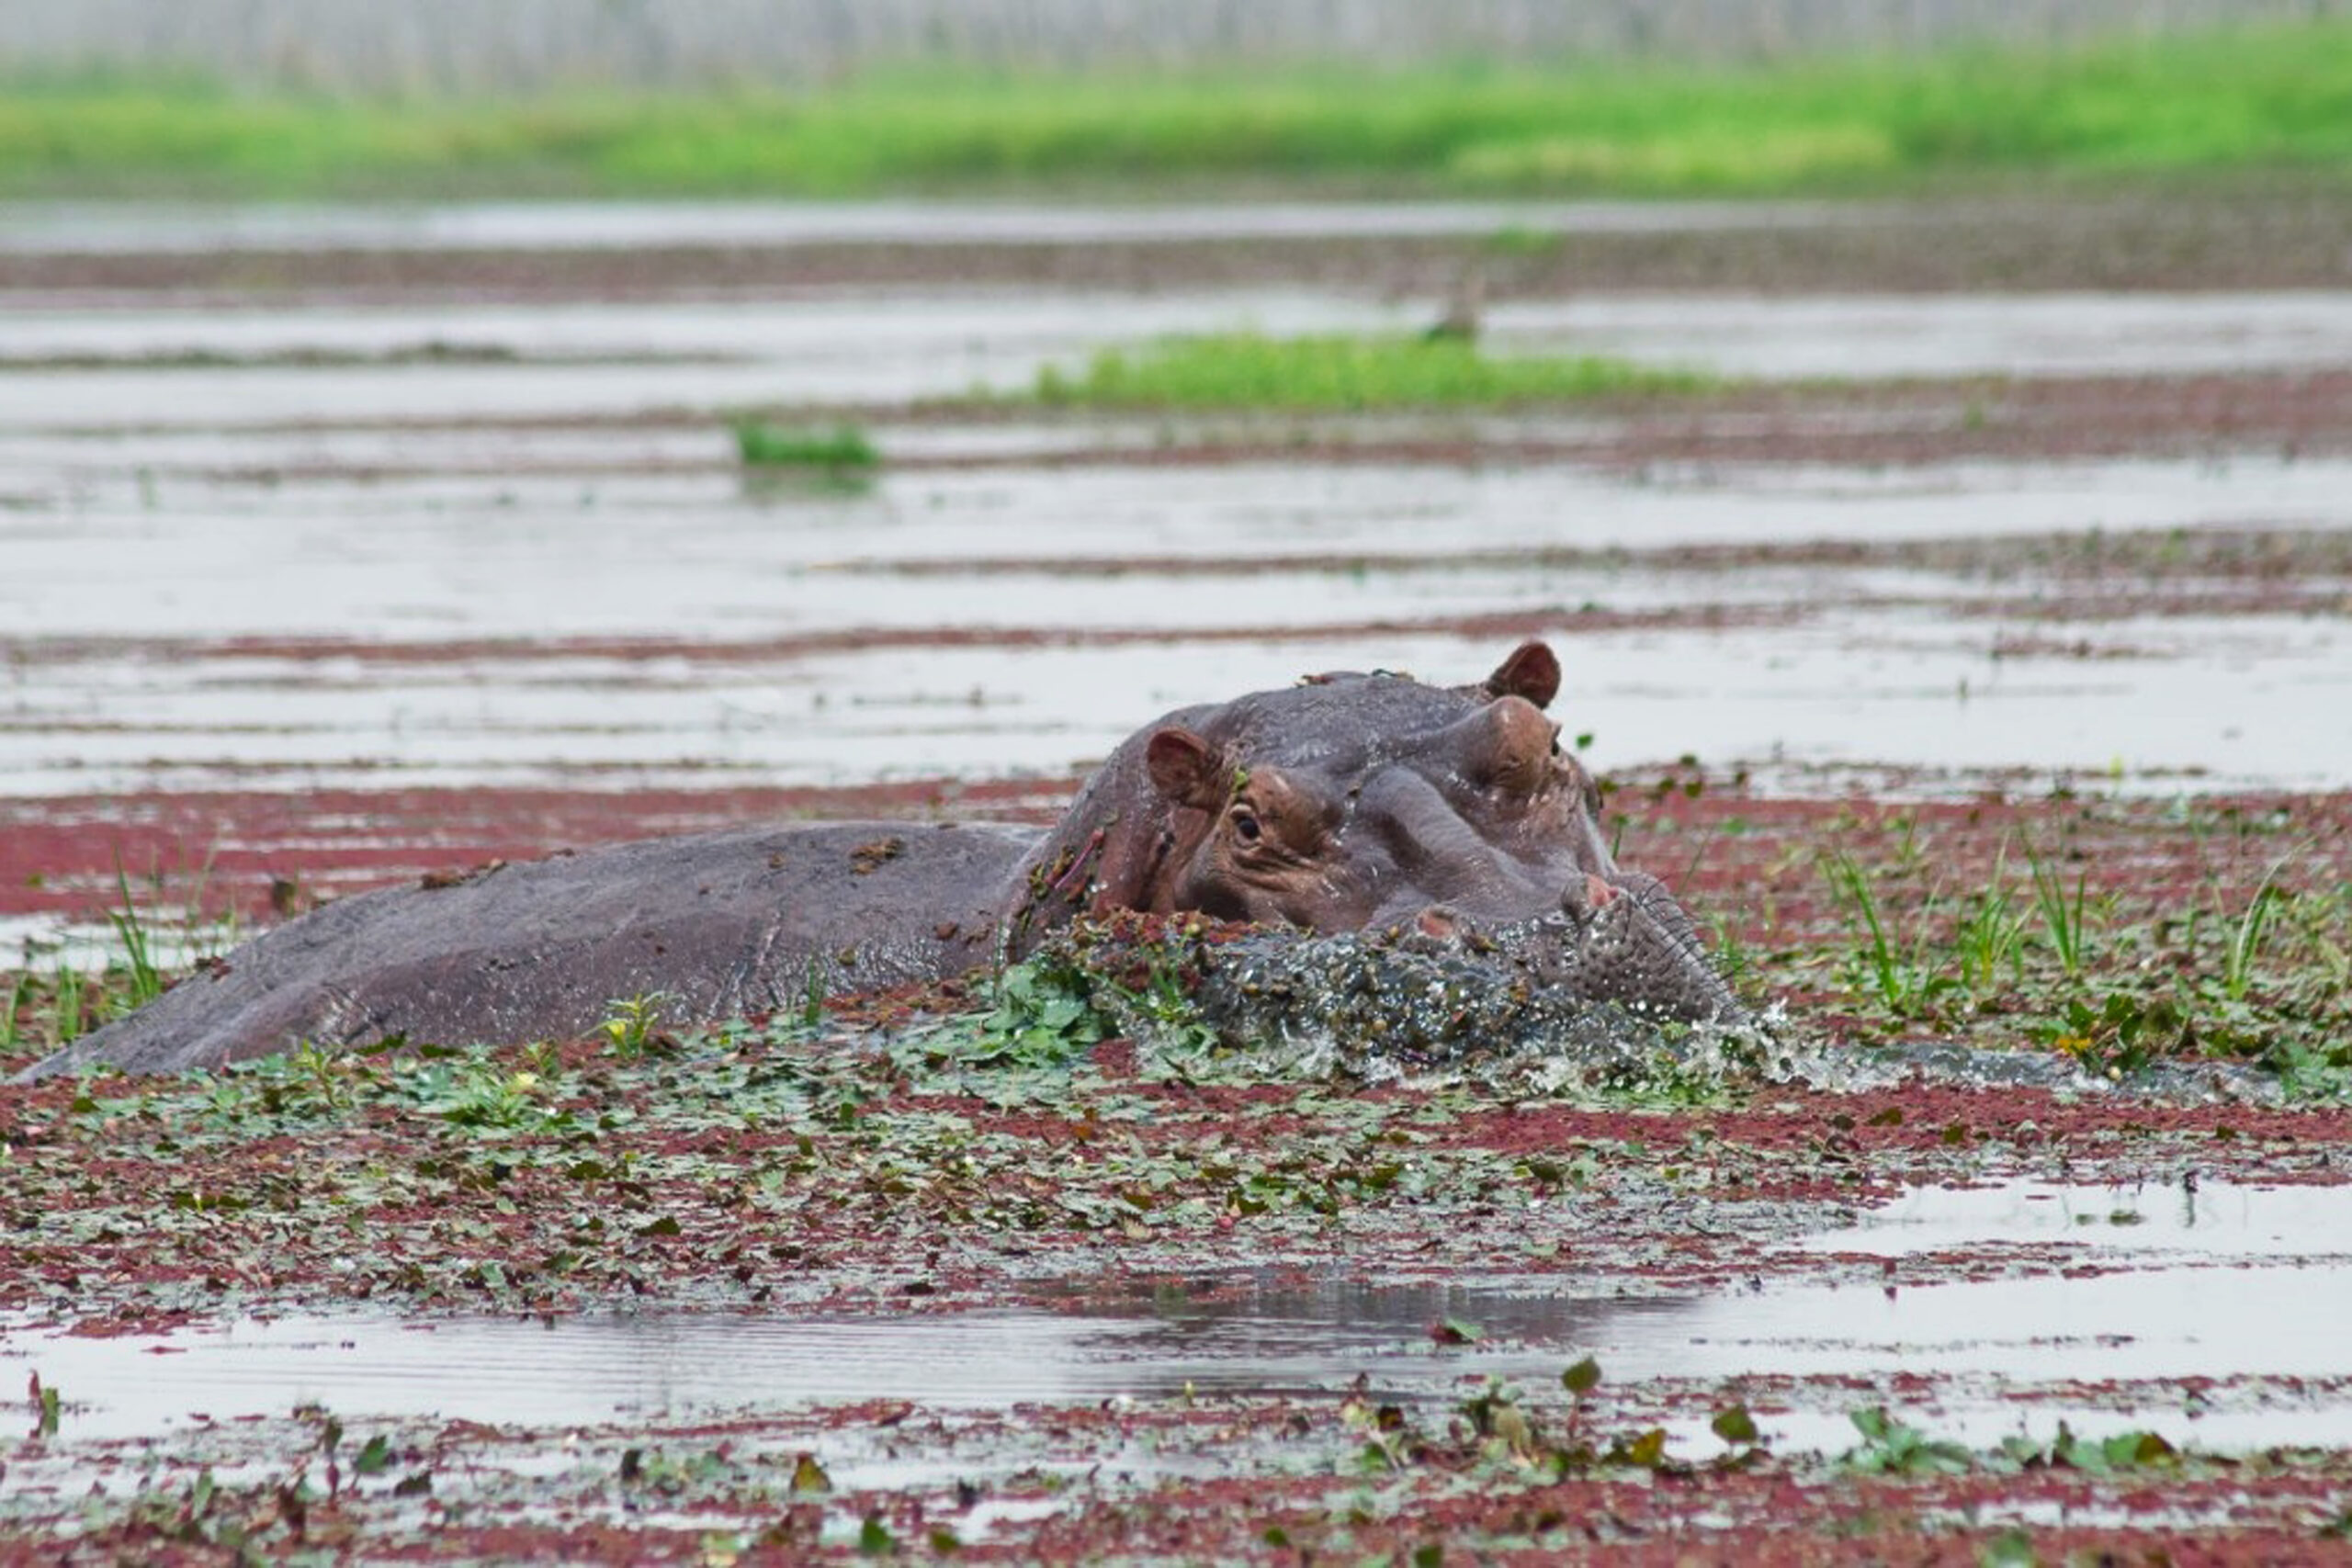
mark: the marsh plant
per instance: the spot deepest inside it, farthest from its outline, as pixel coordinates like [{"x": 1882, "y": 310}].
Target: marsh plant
[
  {"x": 631, "y": 1023},
  {"x": 62, "y": 988},
  {"x": 1343, "y": 373},
  {"x": 2261, "y": 975},
  {"x": 841, "y": 451}
]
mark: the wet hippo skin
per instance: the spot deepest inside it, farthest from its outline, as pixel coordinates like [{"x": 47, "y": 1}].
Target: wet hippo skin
[{"x": 1346, "y": 802}]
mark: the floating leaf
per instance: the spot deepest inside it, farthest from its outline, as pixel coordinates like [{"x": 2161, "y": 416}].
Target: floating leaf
[
  {"x": 1648, "y": 1449},
  {"x": 2011, "y": 1549}
]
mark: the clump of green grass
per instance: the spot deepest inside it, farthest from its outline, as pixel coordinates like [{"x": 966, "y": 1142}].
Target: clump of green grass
[
  {"x": 1242, "y": 370},
  {"x": 2118, "y": 979},
  {"x": 842, "y": 450},
  {"x": 1903, "y": 977}
]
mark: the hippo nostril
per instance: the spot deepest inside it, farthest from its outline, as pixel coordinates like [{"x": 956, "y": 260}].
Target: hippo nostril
[
  {"x": 1589, "y": 894},
  {"x": 1439, "y": 922}
]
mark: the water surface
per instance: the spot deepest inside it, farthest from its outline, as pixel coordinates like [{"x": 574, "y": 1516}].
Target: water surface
[{"x": 2091, "y": 1303}]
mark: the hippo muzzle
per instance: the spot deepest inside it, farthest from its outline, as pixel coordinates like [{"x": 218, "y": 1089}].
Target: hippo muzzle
[{"x": 1374, "y": 803}]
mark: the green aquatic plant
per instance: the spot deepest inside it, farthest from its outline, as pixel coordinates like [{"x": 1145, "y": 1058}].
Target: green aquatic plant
[
  {"x": 630, "y": 1023},
  {"x": 1043, "y": 1017},
  {"x": 1340, "y": 372},
  {"x": 1991, "y": 935},
  {"x": 2064, "y": 918},
  {"x": 840, "y": 451},
  {"x": 146, "y": 980},
  {"x": 1903, "y": 980},
  {"x": 2246, "y": 938},
  {"x": 21, "y": 988},
  {"x": 1890, "y": 1448},
  {"x": 67, "y": 1007}
]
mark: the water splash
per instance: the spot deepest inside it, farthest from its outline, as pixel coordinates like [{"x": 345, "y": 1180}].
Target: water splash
[{"x": 1396, "y": 1008}]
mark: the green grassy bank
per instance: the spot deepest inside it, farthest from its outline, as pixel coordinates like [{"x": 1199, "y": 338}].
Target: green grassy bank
[{"x": 2269, "y": 98}]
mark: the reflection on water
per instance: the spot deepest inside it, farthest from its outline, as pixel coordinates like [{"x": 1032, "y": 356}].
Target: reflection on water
[{"x": 2221, "y": 1284}]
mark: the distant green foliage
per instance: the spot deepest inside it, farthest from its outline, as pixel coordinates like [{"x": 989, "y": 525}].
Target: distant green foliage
[
  {"x": 1246, "y": 370},
  {"x": 844, "y": 449},
  {"x": 2277, "y": 96}
]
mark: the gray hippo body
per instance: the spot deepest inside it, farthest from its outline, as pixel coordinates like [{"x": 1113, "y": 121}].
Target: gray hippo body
[
  {"x": 739, "y": 923},
  {"x": 1349, "y": 802}
]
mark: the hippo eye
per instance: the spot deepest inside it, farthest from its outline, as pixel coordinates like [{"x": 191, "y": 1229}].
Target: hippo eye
[{"x": 1245, "y": 822}]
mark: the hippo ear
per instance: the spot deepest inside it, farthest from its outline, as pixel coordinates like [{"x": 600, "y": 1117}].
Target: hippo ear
[
  {"x": 1186, "y": 769},
  {"x": 1531, "y": 671}
]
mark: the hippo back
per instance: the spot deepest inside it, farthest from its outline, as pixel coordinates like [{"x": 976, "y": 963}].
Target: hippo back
[{"x": 743, "y": 922}]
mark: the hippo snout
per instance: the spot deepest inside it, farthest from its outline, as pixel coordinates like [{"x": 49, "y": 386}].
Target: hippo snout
[
  {"x": 1587, "y": 896},
  {"x": 1620, "y": 938}
]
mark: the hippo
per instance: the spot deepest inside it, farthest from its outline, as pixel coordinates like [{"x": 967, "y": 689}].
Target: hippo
[{"x": 1349, "y": 802}]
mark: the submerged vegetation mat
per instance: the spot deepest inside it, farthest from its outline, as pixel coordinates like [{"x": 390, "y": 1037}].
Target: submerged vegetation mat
[
  {"x": 2231, "y": 100},
  {"x": 1015, "y": 1158}
]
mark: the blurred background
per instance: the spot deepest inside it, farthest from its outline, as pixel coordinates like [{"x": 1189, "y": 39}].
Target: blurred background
[{"x": 451, "y": 46}]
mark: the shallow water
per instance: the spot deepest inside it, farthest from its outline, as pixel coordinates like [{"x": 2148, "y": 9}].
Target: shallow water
[
  {"x": 678, "y": 630},
  {"x": 671, "y": 551},
  {"x": 2088, "y": 1302},
  {"x": 1880, "y": 336},
  {"x": 874, "y": 346},
  {"x": 103, "y": 229},
  {"x": 891, "y": 345}
]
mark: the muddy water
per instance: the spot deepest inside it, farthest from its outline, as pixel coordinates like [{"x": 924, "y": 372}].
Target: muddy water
[
  {"x": 2168, "y": 709},
  {"x": 1881, "y": 336},
  {"x": 827, "y": 349},
  {"x": 871, "y": 348},
  {"x": 100, "y": 229},
  {"x": 613, "y": 632},
  {"x": 2023, "y": 1303}
]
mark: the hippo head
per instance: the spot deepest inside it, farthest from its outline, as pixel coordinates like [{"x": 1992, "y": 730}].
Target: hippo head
[{"x": 1355, "y": 802}]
